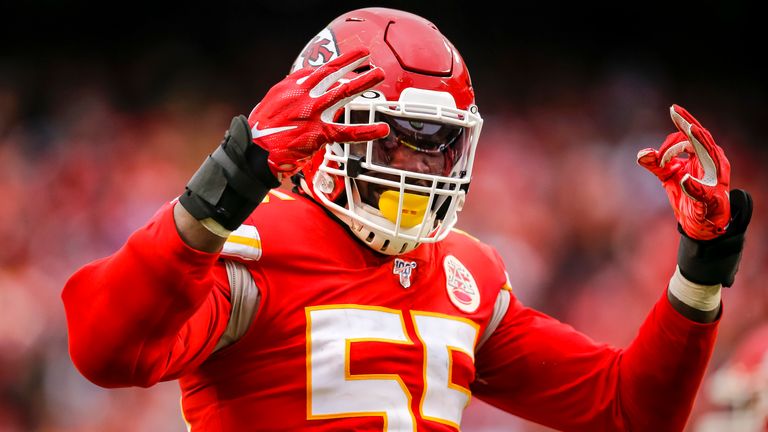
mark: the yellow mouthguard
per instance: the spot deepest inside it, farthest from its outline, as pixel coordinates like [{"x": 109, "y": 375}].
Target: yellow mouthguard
[{"x": 414, "y": 207}]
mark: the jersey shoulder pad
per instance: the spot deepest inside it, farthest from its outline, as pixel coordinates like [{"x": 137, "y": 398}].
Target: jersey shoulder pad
[
  {"x": 243, "y": 244},
  {"x": 481, "y": 255},
  {"x": 275, "y": 221}
]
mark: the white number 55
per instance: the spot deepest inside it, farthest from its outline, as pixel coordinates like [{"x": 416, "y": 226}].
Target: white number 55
[{"x": 333, "y": 392}]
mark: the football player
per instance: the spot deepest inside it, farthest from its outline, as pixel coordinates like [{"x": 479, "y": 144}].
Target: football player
[{"x": 352, "y": 303}]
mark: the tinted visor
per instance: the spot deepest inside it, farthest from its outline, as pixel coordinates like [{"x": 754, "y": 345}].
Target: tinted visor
[{"x": 440, "y": 145}]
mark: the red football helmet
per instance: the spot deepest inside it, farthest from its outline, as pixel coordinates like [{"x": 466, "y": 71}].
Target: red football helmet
[{"x": 407, "y": 188}]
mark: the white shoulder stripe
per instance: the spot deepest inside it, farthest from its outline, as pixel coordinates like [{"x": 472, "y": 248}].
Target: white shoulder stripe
[
  {"x": 499, "y": 310},
  {"x": 244, "y": 243},
  {"x": 245, "y": 298}
]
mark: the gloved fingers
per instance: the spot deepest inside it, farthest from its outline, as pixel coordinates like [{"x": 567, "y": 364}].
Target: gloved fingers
[
  {"x": 301, "y": 74},
  {"x": 678, "y": 111},
  {"x": 658, "y": 162},
  {"x": 708, "y": 154},
  {"x": 326, "y": 75},
  {"x": 356, "y": 133},
  {"x": 701, "y": 150},
  {"x": 712, "y": 158},
  {"x": 697, "y": 189},
  {"x": 673, "y": 145},
  {"x": 649, "y": 159},
  {"x": 346, "y": 92},
  {"x": 674, "y": 151},
  {"x": 278, "y": 91},
  {"x": 350, "y": 89}
]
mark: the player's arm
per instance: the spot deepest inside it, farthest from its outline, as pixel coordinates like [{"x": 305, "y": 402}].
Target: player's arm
[
  {"x": 154, "y": 308},
  {"x": 125, "y": 312},
  {"x": 291, "y": 123},
  {"x": 712, "y": 219},
  {"x": 540, "y": 369},
  {"x": 158, "y": 306}
]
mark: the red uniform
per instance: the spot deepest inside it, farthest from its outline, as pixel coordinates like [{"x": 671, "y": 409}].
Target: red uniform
[{"x": 347, "y": 339}]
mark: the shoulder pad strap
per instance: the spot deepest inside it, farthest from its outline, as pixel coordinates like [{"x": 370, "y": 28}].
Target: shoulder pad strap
[{"x": 245, "y": 298}]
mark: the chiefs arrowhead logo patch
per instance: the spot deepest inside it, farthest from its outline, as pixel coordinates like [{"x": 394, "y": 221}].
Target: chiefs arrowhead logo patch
[
  {"x": 461, "y": 286},
  {"x": 320, "y": 50}
]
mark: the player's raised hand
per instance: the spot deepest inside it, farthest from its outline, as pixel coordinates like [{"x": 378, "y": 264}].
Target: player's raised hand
[
  {"x": 295, "y": 118},
  {"x": 697, "y": 186}
]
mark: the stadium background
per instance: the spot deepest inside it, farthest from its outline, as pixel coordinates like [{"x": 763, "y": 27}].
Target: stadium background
[{"x": 102, "y": 119}]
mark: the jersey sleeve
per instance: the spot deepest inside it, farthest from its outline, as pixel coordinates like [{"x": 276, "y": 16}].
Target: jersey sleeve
[
  {"x": 538, "y": 368},
  {"x": 149, "y": 312}
]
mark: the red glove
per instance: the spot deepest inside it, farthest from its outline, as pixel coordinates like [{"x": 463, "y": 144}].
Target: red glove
[
  {"x": 697, "y": 186},
  {"x": 295, "y": 118}
]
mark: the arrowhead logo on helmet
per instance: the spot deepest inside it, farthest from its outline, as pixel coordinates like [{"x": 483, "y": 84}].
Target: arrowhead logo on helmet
[{"x": 320, "y": 50}]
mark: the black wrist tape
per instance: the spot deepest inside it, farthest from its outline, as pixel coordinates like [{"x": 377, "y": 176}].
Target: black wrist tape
[
  {"x": 716, "y": 261},
  {"x": 232, "y": 180}
]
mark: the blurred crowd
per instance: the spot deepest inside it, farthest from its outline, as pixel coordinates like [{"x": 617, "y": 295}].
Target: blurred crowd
[{"x": 587, "y": 235}]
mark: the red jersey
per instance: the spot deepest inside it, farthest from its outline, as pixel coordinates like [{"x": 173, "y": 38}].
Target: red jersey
[{"x": 348, "y": 339}]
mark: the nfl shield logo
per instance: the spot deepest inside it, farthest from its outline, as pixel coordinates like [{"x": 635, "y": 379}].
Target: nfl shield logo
[{"x": 404, "y": 269}]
